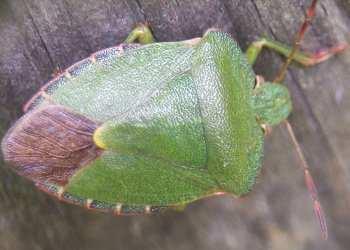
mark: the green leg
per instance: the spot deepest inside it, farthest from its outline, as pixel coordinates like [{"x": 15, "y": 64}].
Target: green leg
[
  {"x": 304, "y": 58},
  {"x": 141, "y": 33}
]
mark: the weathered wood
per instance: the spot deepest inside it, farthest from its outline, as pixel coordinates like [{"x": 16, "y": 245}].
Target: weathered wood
[{"x": 37, "y": 36}]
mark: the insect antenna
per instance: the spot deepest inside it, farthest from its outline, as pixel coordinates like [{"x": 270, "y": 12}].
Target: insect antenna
[
  {"x": 309, "y": 182},
  {"x": 310, "y": 13}
]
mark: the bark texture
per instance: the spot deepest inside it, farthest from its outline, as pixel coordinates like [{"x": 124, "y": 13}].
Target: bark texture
[{"x": 37, "y": 36}]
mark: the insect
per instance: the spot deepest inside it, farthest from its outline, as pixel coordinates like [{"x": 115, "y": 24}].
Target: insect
[{"x": 140, "y": 128}]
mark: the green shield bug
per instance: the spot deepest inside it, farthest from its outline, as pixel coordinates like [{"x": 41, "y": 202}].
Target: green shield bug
[{"x": 133, "y": 129}]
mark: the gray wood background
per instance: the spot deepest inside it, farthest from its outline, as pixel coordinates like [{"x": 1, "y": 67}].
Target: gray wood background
[{"x": 37, "y": 36}]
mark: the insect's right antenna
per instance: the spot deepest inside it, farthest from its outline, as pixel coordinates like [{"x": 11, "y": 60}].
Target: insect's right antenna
[
  {"x": 310, "y": 13},
  {"x": 309, "y": 183}
]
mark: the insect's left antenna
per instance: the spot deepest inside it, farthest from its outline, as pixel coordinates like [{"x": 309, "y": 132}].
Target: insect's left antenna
[{"x": 310, "y": 14}]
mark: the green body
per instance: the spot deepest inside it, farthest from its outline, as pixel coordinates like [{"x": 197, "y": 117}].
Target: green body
[{"x": 177, "y": 121}]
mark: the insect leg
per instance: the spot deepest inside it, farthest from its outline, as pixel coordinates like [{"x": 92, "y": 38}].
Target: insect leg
[
  {"x": 304, "y": 58},
  {"x": 141, "y": 33},
  {"x": 293, "y": 53}
]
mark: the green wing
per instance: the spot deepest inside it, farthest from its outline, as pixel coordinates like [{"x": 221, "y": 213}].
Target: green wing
[
  {"x": 167, "y": 126},
  {"x": 155, "y": 154},
  {"x": 139, "y": 180},
  {"x": 116, "y": 84}
]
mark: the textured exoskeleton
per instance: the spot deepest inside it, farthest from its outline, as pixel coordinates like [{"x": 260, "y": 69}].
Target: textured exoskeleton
[{"x": 136, "y": 128}]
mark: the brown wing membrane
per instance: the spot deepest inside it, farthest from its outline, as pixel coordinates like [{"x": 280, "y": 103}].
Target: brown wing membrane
[{"x": 50, "y": 144}]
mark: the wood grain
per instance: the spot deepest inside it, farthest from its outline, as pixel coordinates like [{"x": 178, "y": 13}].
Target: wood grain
[{"x": 37, "y": 36}]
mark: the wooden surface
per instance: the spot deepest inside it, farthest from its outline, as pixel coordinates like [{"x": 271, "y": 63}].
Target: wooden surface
[{"x": 37, "y": 36}]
